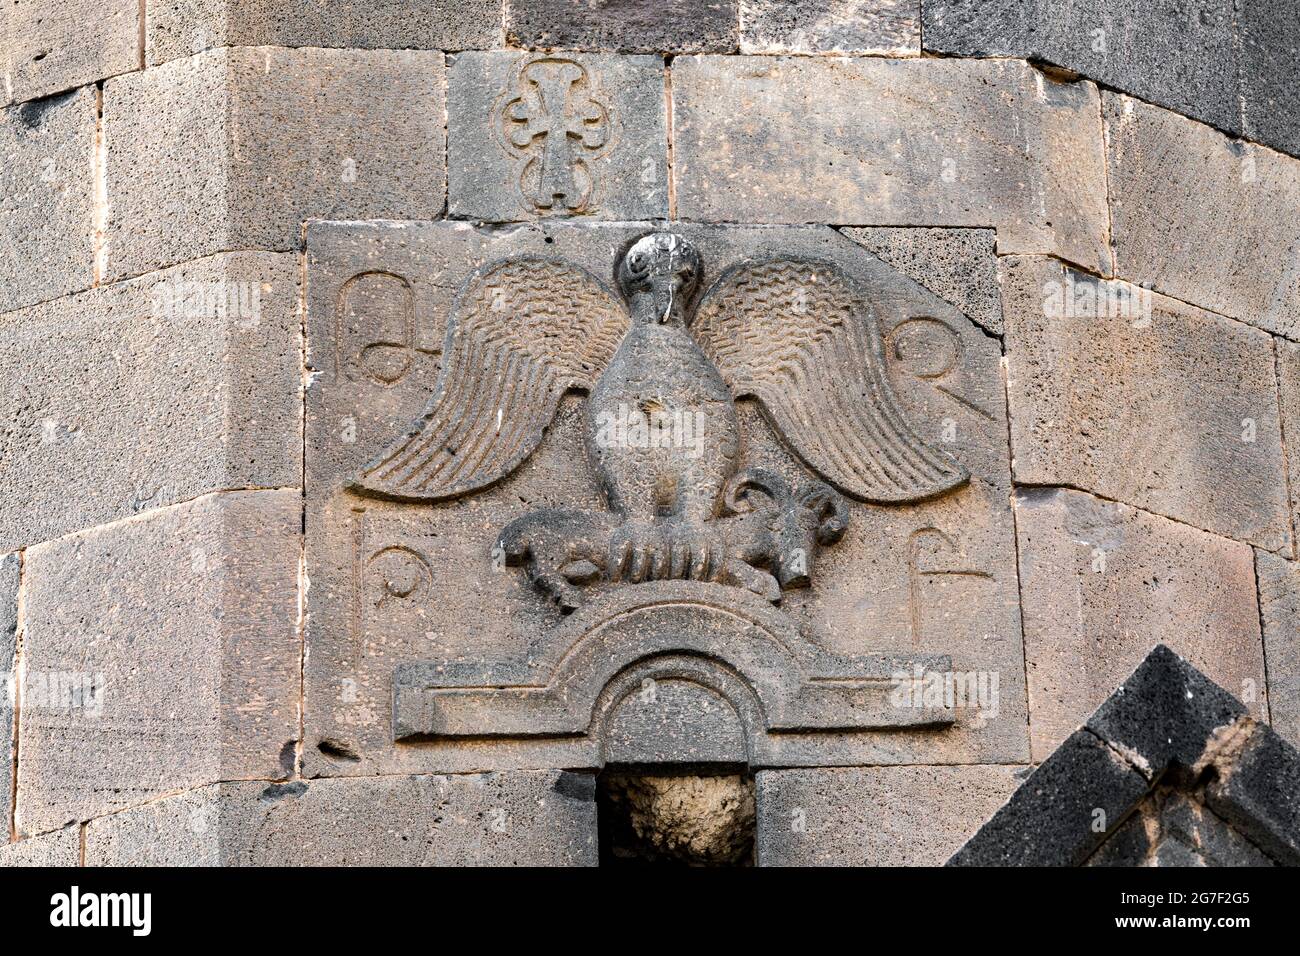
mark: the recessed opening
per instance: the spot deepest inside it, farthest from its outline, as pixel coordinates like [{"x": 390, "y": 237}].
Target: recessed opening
[{"x": 697, "y": 816}]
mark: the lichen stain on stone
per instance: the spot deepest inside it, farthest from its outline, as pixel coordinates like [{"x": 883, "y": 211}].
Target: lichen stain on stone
[
  {"x": 1223, "y": 748},
  {"x": 697, "y": 821}
]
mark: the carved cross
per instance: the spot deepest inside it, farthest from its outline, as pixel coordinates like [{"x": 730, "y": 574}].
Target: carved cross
[{"x": 559, "y": 116}]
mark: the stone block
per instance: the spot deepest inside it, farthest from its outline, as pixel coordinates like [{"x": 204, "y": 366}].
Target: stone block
[
  {"x": 1101, "y": 583},
  {"x": 497, "y": 819},
  {"x": 11, "y": 566},
  {"x": 875, "y": 816},
  {"x": 151, "y": 391},
  {"x": 160, "y": 653},
  {"x": 1167, "y": 715},
  {"x": 626, "y": 26},
  {"x": 1288, "y": 374},
  {"x": 1171, "y": 829},
  {"x": 236, "y": 148},
  {"x": 890, "y": 27},
  {"x": 1142, "y": 399},
  {"x": 556, "y": 135},
  {"x": 1207, "y": 219},
  {"x": 934, "y": 142},
  {"x": 1269, "y": 35},
  {"x": 958, "y": 265},
  {"x": 181, "y": 28},
  {"x": 47, "y": 198},
  {"x": 1259, "y": 794},
  {"x": 52, "y": 47},
  {"x": 1279, "y": 609},
  {"x": 1052, "y": 819},
  {"x": 393, "y": 582},
  {"x": 60, "y": 848},
  {"x": 1182, "y": 55}
]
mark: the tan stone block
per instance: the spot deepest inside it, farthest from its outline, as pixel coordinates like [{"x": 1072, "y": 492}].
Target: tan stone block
[
  {"x": 53, "y": 45},
  {"x": 497, "y": 819},
  {"x": 60, "y": 848},
  {"x": 160, "y": 653},
  {"x": 149, "y": 392},
  {"x": 1102, "y": 583},
  {"x": 47, "y": 204},
  {"x": 1279, "y": 610},
  {"x": 181, "y": 28},
  {"x": 10, "y": 578},
  {"x": 501, "y": 168},
  {"x": 236, "y": 148},
  {"x": 1142, "y": 399},
  {"x": 1204, "y": 217},
  {"x": 1288, "y": 373},
  {"x": 875, "y": 816},
  {"x": 893, "y": 143}
]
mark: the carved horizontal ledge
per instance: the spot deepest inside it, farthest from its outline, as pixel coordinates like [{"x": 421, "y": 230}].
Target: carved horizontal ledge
[{"x": 790, "y": 684}]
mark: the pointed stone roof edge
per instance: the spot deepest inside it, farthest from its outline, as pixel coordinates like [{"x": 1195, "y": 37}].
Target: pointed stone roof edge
[{"x": 1166, "y": 717}]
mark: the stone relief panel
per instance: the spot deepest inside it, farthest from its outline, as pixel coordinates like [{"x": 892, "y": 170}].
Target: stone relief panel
[
  {"x": 600, "y": 493},
  {"x": 565, "y": 135}
]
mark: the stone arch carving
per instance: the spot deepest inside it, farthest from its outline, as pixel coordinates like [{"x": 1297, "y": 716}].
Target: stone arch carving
[
  {"x": 555, "y": 691},
  {"x": 727, "y": 736}
]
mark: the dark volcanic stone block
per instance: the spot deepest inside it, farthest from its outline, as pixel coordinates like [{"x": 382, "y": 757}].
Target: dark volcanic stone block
[
  {"x": 1166, "y": 712},
  {"x": 1269, "y": 34},
  {"x": 1259, "y": 794},
  {"x": 1175, "y": 53},
  {"x": 1054, "y": 818}
]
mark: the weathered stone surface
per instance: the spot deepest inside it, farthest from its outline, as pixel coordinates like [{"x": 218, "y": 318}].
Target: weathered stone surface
[
  {"x": 1269, "y": 35},
  {"x": 149, "y": 392},
  {"x": 1288, "y": 374},
  {"x": 1258, "y": 792},
  {"x": 10, "y": 574},
  {"x": 1279, "y": 609},
  {"x": 875, "y": 816},
  {"x": 498, "y": 819},
  {"x": 51, "y": 47},
  {"x": 1202, "y": 217},
  {"x": 691, "y": 820},
  {"x": 831, "y": 26},
  {"x": 1051, "y": 819},
  {"x": 533, "y": 136},
  {"x": 236, "y": 148},
  {"x": 1101, "y": 583},
  {"x": 958, "y": 265},
  {"x": 393, "y": 583},
  {"x": 1167, "y": 714},
  {"x": 1179, "y": 54},
  {"x": 1224, "y": 789},
  {"x": 932, "y": 142},
  {"x": 629, "y": 26},
  {"x": 1171, "y": 829},
  {"x": 60, "y": 848},
  {"x": 160, "y": 653},
  {"x": 1142, "y": 399},
  {"x": 181, "y": 28},
  {"x": 47, "y": 206}
]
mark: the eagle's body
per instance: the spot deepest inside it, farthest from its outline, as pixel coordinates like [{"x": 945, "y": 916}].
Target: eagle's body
[{"x": 677, "y": 444}]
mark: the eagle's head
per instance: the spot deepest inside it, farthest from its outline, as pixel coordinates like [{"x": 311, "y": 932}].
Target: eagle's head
[{"x": 658, "y": 275}]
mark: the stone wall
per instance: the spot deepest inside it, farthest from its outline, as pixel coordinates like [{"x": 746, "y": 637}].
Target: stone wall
[{"x": 1099, "y": 205}]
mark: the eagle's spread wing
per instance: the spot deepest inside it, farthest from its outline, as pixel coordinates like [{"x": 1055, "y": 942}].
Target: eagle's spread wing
[
  {"x": 797, "y": 335},
  {"x": 521, "y": 333}
]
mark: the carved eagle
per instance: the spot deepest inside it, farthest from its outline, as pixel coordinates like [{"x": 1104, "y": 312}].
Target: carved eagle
[{"x": 796, "y": 334}]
